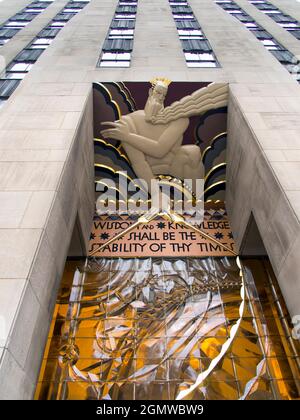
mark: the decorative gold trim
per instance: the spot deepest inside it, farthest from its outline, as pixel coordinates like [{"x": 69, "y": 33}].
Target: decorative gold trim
[
  {"x": 210, "y": 201},
  {"x": 113, "y": 147},
  {"x": 129, "y": 94},
  {"x": 214, "y": 168},
  {"x": 163, "y": 80},
  {"x": 211, "y": 143},
  {"x": 175, "y": 183},
  {"x": 130, "y": 200},
  {"x": 120, "y": 87},
  {"x": 225, "y": 347},
  {"x": 111, "y": 99},
  {"x": 214, "y": 185}
]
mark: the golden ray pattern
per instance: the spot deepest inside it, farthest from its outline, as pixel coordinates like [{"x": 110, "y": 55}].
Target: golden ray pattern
[
  {"x": 211, "y": 142},
  {"x": 122, "y": 155},
  {"x": 214, "y": 185}
]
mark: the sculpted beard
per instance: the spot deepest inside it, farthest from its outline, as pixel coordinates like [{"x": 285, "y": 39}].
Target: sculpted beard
[{"x": 153, "y": 106}]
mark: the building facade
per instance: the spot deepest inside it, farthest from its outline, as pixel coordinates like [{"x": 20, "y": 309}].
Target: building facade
[{"x": 47, "y": 194}]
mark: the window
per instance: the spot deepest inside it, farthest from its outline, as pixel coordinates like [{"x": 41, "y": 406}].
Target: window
[
  {"x": 42, "y": 41},
  {"x": 27, "y": 17},
  {"x": 122, "y": 24},
  {"x": 21, "y": 19},
  {"x": 131, "y": 10},
  {"x": 28, "y": 55},
  {"x": 49, "y": 32},
  {"x": 64, "y": 17},
  {"x": 19, "y": 67},
  {"x": 121, "y": 33},
  {"x": 191, "y": 34},
  {"x": 196, "y": 47},
  {"x": 118, "y": 45},
  {"x": 285, "y": 57},
  {"x": 7, "y": 87},
  {"x": 261, "y": 34},
  {"x": 8, "y": 32},
  {"x": 23, "y": 62},
  {"x": 285, "y": 21}
]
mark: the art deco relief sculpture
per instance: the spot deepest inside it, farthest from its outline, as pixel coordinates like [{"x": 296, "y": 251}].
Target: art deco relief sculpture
[{"x": 152, "y": 138}]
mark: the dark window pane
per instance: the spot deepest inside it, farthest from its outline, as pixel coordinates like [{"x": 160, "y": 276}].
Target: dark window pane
[
  {"x": 178, "y": 10},
  {"x": 265, "y": 6},
  {"x": 122, "y": 24},
  {"x": 23, "y": 17},
  {"x": 296, "y": 34},
  {"x": 229, "y": 6},
  {"x": 262, "y": 34},
  {"x": 28, "y": 55},
  {"x": 75, "y": 5},
  {"x": 282, "y": 19},
  {"x": 63, "y": 17},
  {"x": 39, "y": 5},
  {"x": 244, "y": 18},
  {"x": 49, "y": 32},
  {"x": 187, "y": 24},
  {"x": 126, "y": 9},
  {"x": 118, "y": 45},
  {"x": 195, "y": 45},
  {"x": 8, "y": 33},
  {"x": 7, "y": 87},
  {"x": 283, "y": 56}
]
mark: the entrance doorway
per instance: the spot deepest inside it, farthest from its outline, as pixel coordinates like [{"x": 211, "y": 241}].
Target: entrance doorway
[{"x": 147, "y": 328}]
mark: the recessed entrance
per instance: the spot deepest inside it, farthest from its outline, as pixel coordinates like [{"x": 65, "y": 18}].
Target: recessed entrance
[
  {"x": 198, "y": 325},
  {"x": 147, "y": 328}
]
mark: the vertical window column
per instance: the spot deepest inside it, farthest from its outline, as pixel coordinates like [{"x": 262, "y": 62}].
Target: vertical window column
[
  {"x": 196, "y": 47},
  {"x": 23, "y": 62},
  {"x": 282, "y": 19},
  {"x": 118, "y": 45},
  {"x": 17, "y": 22},
  {"x": 284, "y": 56}
]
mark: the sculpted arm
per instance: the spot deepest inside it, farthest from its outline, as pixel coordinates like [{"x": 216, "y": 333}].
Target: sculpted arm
[{"x": 154, "y": 148}]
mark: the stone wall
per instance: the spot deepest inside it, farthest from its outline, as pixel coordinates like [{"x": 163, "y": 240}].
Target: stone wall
[{"x": 46, "y": 155}]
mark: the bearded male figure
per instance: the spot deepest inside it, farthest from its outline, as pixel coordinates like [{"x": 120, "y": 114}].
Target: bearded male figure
[{"x": 152, "y": 138}]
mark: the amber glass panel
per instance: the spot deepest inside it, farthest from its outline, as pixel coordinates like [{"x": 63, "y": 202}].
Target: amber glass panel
[{"x": 146, "y": 329}]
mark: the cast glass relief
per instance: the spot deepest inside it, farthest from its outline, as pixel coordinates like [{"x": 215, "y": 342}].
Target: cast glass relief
[{"x": 146, "y": 328}]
